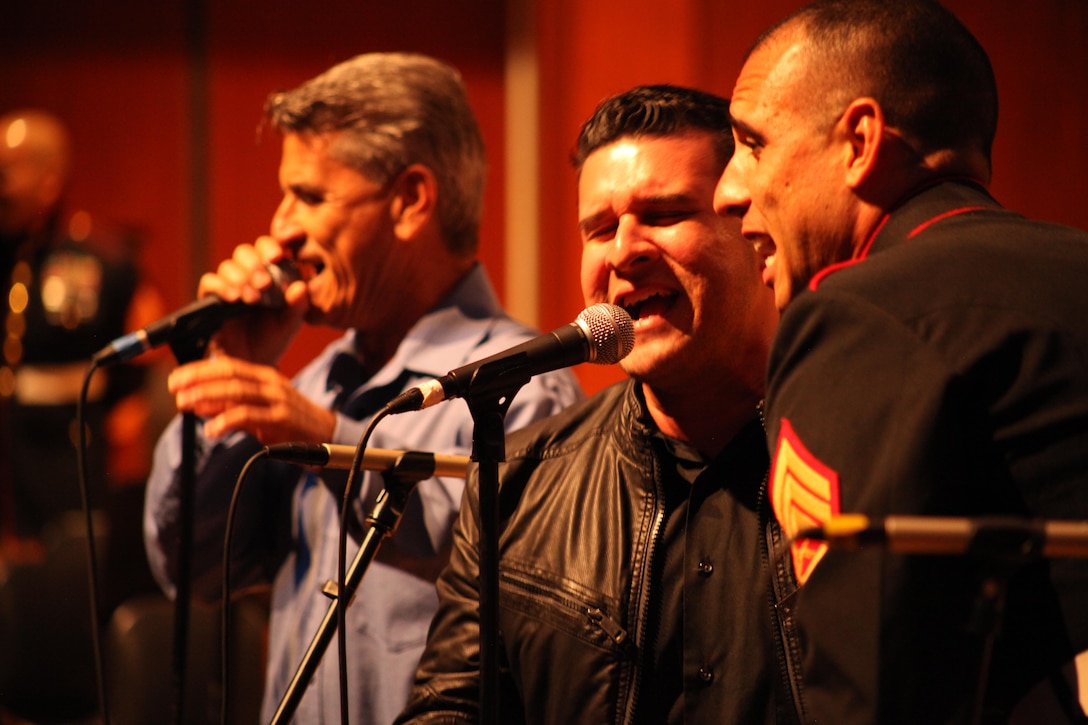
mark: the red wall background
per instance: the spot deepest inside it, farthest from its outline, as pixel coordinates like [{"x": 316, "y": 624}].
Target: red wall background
[{"x": 164, "y": 99}]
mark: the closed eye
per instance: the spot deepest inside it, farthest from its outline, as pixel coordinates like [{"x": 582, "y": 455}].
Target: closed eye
[
  {"x": 747, "y": 137},
  {"x": 598, "y": 228},
  {"x": 665, "y": 218},
  {"x": 307, "y": 196},
  {"x": 752, "y": 145}
]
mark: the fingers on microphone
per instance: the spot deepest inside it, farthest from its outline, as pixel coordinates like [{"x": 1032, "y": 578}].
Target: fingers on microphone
[
  {"x": 268, "y": 249},
  {"x": 211, "y": 283},
  {"x": 242, "y": 277},
  {"x": 297, "y": 296}
]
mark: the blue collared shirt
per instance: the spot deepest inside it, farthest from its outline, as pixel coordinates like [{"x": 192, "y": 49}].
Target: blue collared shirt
[{"x": 388, "y": 620}]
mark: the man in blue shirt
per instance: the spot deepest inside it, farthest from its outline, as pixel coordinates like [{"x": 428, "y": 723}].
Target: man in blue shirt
[{"x": 382, "y": 174}]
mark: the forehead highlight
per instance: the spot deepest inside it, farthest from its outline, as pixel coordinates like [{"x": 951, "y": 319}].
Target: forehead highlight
[
  {"x": 635, "y": 177},
  {"x": 648, "y": 165},
  {"x": 779, "y": 85}
]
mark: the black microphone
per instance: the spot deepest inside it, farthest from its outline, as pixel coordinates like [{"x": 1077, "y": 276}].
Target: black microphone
[
  {"x": 197, "y": 319},
  {"x": 992, "y": 535},
  {"x": 602, "y": 334}
]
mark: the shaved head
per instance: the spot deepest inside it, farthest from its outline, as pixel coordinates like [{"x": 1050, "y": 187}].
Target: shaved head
[
  {"x": 930, "y": 75},
  {"x": 35, "y": 156}
]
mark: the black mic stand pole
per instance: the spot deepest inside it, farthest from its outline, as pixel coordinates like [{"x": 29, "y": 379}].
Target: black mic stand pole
[
  {"x": 1002, "y": 554},
  {"x": 185, "y": 350},
  {"x": 488, "y": 399},
  {"x": 407, "y": 471}
]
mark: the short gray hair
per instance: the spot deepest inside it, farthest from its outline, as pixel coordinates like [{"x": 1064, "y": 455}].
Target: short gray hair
[{"x": 395, "y": 110}]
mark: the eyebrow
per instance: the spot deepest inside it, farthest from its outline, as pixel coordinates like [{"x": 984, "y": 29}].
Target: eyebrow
[
  {"x": 584, "y": 225},
  {"x": 304, "y": 187}
]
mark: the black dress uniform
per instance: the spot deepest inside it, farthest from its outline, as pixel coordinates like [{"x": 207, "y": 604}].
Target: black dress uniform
[
  {"x": 943, "y": 374},
  {"x": 76, "y": 299}
]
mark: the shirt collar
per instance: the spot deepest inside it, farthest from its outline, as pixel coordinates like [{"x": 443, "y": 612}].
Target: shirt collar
[{"x": 445, "y": 337}]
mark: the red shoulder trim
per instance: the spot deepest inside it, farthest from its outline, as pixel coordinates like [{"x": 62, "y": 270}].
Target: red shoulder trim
[
  {"x": 864, "y": 252},
  {"x": 940, "y": 217}
]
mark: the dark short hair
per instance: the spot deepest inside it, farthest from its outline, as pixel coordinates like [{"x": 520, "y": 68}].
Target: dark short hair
[
  {"x": 655, "y": 110},
  {"x": 930, "y": 75},
  {"x": 394, "y": 110}
]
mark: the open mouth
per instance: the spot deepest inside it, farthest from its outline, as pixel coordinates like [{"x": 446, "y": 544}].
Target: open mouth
[
  {"x": 309, "y": 268},
  {"x": 768, "y": 270},
  {"x": 303, "y": 267},
  {"x": 640, "y": 306},
  {"x": 767, "y": 252}
]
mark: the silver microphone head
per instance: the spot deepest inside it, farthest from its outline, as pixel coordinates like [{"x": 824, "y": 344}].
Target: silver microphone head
[{"x": 610, "y": 331}]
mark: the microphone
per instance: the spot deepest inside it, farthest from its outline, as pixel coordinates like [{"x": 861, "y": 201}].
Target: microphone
[
  {"x": 330, "y": 455},
  {"x": 996, "y": 535},
  {"x": 197, "y": 319},
  {"x": 602, "y": 334}
]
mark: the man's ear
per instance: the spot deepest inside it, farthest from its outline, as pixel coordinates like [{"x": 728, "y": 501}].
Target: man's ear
[
  {"x": 415, "y": 200},
  {"x": 863, "y": 126}
]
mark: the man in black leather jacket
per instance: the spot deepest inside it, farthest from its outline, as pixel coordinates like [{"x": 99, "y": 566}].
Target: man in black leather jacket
[{"x": 634, "y": 568}]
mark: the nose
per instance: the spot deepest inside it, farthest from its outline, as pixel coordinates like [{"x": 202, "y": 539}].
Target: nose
[
  {"x": 730, "y": 195},
  {"x": 285, "y": 226},
  {"x": 630, "y": 247}
]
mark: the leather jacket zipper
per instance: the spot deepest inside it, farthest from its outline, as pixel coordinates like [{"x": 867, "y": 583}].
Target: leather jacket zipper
[
  {"x": 611, "y": 627},
  {"x": 593, "y": 614},
  {"x": 643, "y": 593}
]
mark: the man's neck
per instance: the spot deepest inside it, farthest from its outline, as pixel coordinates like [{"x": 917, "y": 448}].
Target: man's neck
[
  {"x": 376, "y": 347},
  {"x": 706, "y": 419}
]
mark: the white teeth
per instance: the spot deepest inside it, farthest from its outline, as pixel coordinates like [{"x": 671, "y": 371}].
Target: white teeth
[
  {"x": 768, "y": 262},
  {"x": 634, "y": 300}
]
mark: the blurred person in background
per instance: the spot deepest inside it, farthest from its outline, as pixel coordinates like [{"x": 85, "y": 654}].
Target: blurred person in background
[{"x": 66, "y": 293}]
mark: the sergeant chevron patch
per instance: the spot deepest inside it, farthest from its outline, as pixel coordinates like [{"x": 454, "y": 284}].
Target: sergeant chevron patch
[{"x": 804, "y": 493}]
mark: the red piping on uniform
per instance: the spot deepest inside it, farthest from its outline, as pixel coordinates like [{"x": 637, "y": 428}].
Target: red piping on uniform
[
  {"x": 953, "y": 212},
  {"x": 819, "y": 276}
]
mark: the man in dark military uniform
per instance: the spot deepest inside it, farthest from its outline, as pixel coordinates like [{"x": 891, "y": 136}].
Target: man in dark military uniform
[
  {"x": 930, "y": 361},
  {"x": 64, "y": 297}
]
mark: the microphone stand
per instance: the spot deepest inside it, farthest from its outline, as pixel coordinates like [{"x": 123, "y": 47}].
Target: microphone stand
[
  {"x": 186, "y": 350},
  {"x": 489, "y": 397},
  {"x": 1008, "y": 551},
  {"x": 986, "y": 622},
  {"x": 409, "y": 469},
  {"x": 1002, "y": 545}
]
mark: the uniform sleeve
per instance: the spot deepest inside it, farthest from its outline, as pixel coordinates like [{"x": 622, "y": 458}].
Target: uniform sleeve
[
  {"x": 865, "y": 417},
  {"x": 544, "y": 396},
  {"x": 871, "y": 407}
]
